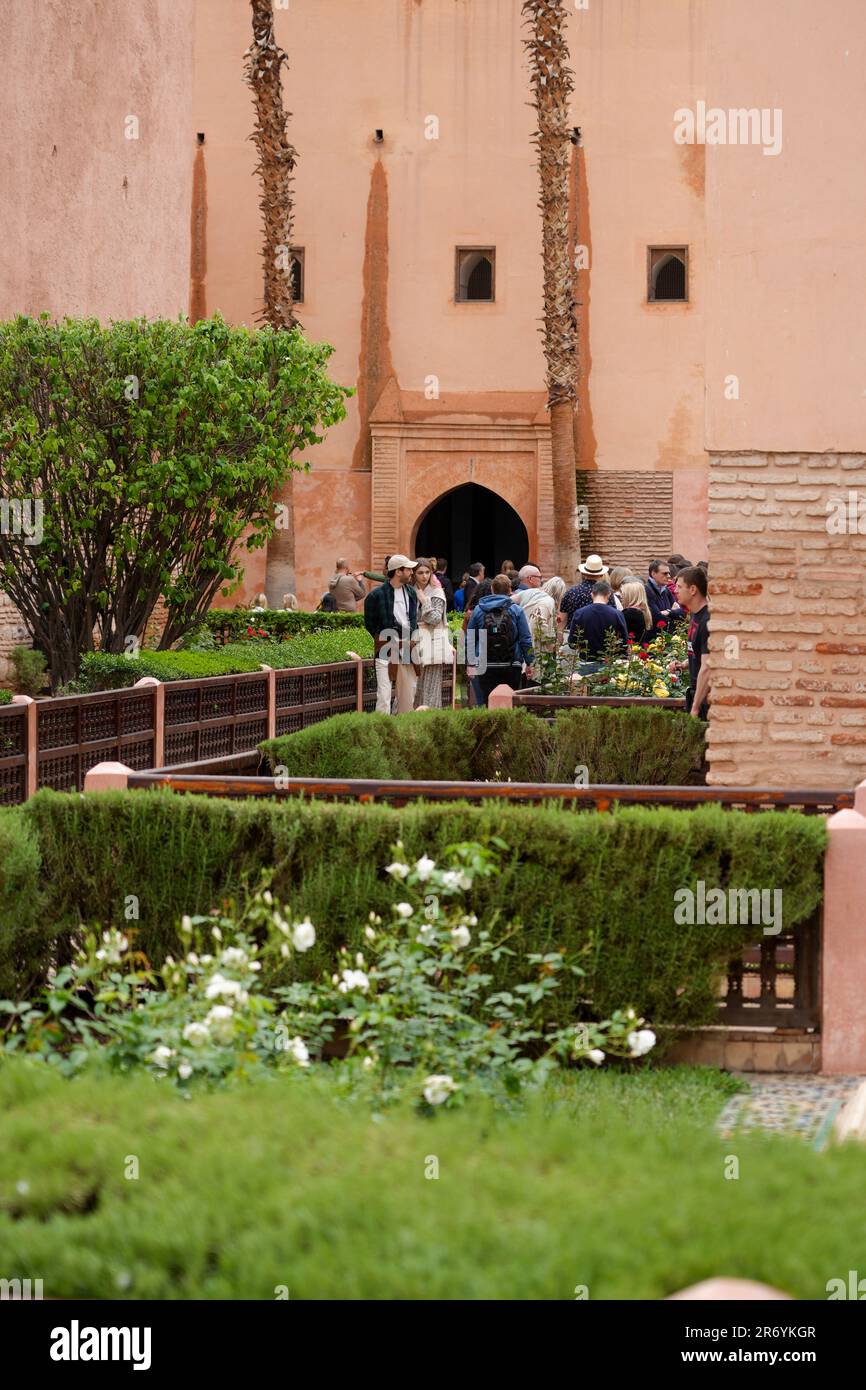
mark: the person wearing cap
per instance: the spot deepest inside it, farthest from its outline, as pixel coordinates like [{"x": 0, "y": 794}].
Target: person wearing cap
[
  {"x": 390, "y": 617},
  {"x": 580, "y": 595},
  {"x": 346, "y": 588}
]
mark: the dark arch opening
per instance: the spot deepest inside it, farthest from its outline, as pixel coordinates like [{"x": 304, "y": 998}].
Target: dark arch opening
[
  {"x": 472, "y": 523},
  {"x": 669, "y": 278}
]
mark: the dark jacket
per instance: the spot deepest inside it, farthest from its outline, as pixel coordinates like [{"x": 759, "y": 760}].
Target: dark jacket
[
  {"x": 523, "y": 642},
  {"x": 593, "y": 624},
  {"x": 379, "y": 611},
  {"x": 658, "y": 598},
  {"x": 449, "y": 590}
]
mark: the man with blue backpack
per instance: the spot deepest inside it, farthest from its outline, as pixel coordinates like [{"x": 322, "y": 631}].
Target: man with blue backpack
[{"x": 501, "y": 639}]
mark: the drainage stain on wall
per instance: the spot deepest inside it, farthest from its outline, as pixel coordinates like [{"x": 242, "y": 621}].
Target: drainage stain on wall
[
  {"x": 198, "y": 239},
  {"x": 375, "y": 367},
  {"x": 580, "y": 235}
]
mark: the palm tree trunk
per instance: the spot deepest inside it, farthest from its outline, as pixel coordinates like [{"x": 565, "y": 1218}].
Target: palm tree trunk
[
  {"x": 552, "y": 86},
  {"x": 277, "y": 158}
]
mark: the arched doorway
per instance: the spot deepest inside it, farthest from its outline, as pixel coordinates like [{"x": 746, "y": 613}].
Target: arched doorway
[{"x": 472, "y": 523}]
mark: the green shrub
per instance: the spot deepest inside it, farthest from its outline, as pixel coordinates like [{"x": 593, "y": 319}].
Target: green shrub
[
  {"x": 104, "y": 671},
  {"x": 229, "y": 623},
  {"x": 573, "y": 878},
  {"x": 614, "y": 1182},
  {"x": 632, "y": 746},
  {"x": 417, "y": 1013},
  {"x": 30, "y": 667},
  {"x": 5, "y": 697},
  {"x": 26, "y": 939}
]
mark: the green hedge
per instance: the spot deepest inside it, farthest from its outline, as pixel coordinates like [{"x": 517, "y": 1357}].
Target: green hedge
[
  {"x": 615, "y": 1184},
  {"x": 601, "y": 882},
  {"x": 643, "y": 747},
  {"x": 5, "y": 697},
  {"x": 226, "y": 623},
  {"x": 24, "y": 942},
  {"x": 104, "y": 671}
]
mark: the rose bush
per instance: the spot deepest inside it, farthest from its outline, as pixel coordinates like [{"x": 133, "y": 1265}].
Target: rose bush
[{"x": 417, "y": 1011}]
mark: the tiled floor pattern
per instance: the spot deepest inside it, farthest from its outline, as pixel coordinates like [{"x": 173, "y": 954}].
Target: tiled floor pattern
[{"x": 795, "y": 1105}]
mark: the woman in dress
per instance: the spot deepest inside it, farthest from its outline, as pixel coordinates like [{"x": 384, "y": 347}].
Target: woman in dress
[{"x": 431, "y": 640}]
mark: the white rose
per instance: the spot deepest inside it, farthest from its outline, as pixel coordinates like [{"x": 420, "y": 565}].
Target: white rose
[
  {"x": 461, "y": 936},
  {"x": 266, "y": 897},
  {"x": 284, "y": 950},
  {"x": 298, "y": 1049},
  {"x": 303, "y": 935},
  {"x": 233, "y": 955},
  {"x": 222, "y": 1021},
  {"x": 397, "y": 870},
  {"x": 424, "y": 867},
  {"x": 642, "y": 1042},
  {"x": 596, "y": 1055},
  {"x": 216, "y": 934},
  {"x": 450, "y": 879},
  {"x": 186, "y": 924},
  {"x": 162, "y": 1056},
  {"x": 184, "y": 1071},
  {"x": 354, "y": 979},
  {"x": 220, "y": 987},
  {"x": 438, "y": 1088},
  {"x": 369, "y": 933},
  {"x": 196, "y": 1033},
  {"x": 404, "y": 909}
]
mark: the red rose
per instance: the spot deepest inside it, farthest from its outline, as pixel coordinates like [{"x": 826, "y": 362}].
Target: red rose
[
  {"x": 661, "y": 623},
  {"x": 643, "y": 656},
  {"x": 249, "y": 632}
]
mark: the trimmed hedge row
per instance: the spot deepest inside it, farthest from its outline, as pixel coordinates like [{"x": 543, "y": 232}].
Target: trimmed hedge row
[
  {"x": 226, "y": 623},
  {"x": 602, "y": 884},
  {"x": 639, "y": 747},
  {"x": 106, "y": 671}
]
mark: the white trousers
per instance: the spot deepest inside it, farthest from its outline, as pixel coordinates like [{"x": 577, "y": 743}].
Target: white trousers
[{"x": 405, "y": 686}]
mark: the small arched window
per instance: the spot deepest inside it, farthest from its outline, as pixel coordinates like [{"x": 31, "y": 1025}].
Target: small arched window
[
  {"x": 475, "y": 278},
  {"x": 297, "y": 270},
  {"x": 668, "y": 273}
]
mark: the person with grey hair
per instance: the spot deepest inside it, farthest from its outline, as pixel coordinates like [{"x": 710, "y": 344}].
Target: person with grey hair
[{"x": 528, "y": 578}]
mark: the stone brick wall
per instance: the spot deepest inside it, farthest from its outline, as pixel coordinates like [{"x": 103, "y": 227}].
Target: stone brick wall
[
  {"x": 630, "y": 516},
  {"x": 788, "y": 627},
  {"x": 13, "y": 633}
]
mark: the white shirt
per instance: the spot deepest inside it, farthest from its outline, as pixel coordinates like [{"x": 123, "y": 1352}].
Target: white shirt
[{"x": 401, "y": 611}]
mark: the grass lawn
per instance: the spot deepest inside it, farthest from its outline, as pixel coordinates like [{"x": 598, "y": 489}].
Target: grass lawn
[{"x": 611, "y": 1181}]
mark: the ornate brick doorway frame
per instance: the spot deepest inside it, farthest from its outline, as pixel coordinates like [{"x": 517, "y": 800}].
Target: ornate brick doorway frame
[{"x": 424, "y": 449}]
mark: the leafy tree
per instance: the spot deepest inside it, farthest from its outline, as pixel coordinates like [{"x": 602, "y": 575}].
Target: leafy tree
[{"x": 142, "y": 458}]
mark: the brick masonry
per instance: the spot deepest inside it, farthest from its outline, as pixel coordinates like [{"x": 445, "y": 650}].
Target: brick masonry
[
  {"x": 630, "y": 516},
  {"x": 788, "y": 627},
  {"x": 13, "y": 633}
]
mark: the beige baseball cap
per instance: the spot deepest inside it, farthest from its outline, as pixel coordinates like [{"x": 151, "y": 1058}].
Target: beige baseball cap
[{"x": 399, "y": 562}]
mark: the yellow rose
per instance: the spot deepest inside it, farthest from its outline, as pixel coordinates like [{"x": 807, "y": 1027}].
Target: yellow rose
[{"x": 660, "y": 690}]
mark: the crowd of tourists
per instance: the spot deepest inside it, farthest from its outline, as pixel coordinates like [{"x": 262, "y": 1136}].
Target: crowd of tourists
[
  {"x": 406, "y": 613},
  {"x": 407, "y": 616}
]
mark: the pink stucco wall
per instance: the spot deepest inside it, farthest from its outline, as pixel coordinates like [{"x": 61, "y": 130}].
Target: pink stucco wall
[
  {"x": 94, "y": 223},
  {"x": 393, "y": 64},
  {"x": 786, "y": 234}
]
